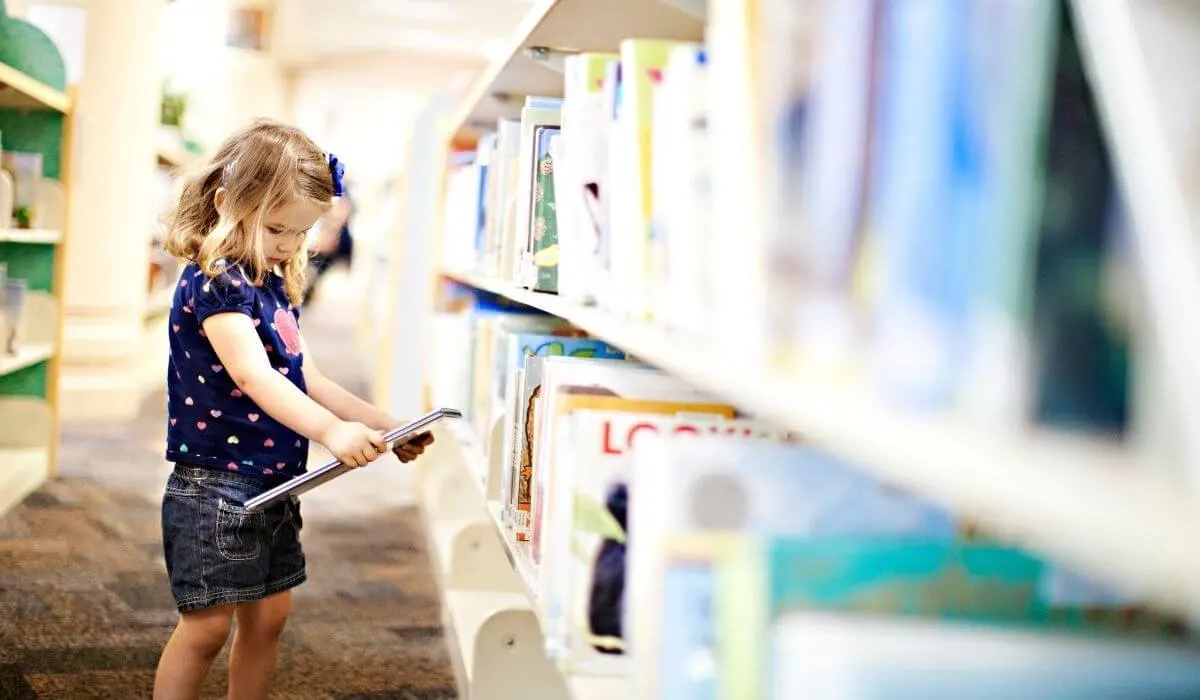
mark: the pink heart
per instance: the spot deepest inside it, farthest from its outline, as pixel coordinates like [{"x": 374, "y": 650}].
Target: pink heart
[
  {"x": 201, "y": 424},
  {"x": 267, "y": 470},
  {"x": 268, "y": 443},
  {"x": 235, "y": 283},
  {"x": 187, "y": 309},
  {"x": 236, "y": 393},
  {"x": 268, "y": 348},
  {"x": 189, "y": 401},
  {"x": 253, "y": 417},
  {"x": 175, "y": 327},
  {"x": 215, "y": 413},
  {"x": 283, "y": 371},
  {"x": 217, "y": 368},
  {"x": 182, "y": 283},
  {"x": 280, "y": 465},
  {"x": 232, "y": 467},
  {"x": 174, "y": 421}
]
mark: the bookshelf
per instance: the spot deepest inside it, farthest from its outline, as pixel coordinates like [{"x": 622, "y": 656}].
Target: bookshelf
[
  {"x": 1109, "y": 509},
  {"x": 35, "y": 117}
]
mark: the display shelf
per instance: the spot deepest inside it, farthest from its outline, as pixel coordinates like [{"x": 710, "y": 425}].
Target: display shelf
[
  {"x": 28, "y": 354},
  {"x": 492, "y": 616},
  {"x": 26, "y": 432},
  {"x": 44, "y": 236},
  {"x": 20, "y": 91},
  {"x": 566, "y": 26},
  {"x": 1085, "y": 502}
]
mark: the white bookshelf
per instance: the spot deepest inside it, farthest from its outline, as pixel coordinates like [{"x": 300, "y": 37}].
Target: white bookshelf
[{"x": 1111, "y": 510}]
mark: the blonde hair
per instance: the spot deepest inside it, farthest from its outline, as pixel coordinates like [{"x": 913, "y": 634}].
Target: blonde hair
[{"x": 261, "y": 167}]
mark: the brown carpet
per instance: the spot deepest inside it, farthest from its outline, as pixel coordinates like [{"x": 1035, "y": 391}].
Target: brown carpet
[{"x": 85, "y": 606}]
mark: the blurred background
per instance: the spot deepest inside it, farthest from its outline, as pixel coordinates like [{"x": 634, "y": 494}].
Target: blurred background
[{"x": 923, "y": 274}]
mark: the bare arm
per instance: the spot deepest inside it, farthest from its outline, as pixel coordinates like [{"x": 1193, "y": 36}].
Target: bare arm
[{"x": 241, "y": 352}]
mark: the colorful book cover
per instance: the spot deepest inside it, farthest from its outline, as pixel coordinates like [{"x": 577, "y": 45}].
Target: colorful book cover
[
  {"x": 508, "y": 373},
  {"x": 642, "y": 62},
  {"x": 544, "y": 239},
  {"x": 629, "y": 380},
  {"x": 868, "y": 572},
  {"x": 586, "y": 536},
  {"x": 533, "y": 118},
  {"x": 709, "y": 485}
]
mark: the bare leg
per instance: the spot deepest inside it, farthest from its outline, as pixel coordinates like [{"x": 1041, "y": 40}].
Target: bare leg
[
  {"x": 190, "y": 651},
  {"x": 256, "y": 646}
]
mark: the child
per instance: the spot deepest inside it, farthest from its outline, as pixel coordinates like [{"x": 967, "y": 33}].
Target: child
[{"x": 244, "y": 398}]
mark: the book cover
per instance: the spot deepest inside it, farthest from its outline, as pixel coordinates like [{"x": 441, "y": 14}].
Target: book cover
[
  {"x": 642, "y": 62},
  {"x": 509, "y": 373},
  {"x": 523, "y": 272},
  {"x": 753, "y": 487},
  {"x": 586, "y": 535},
  {"x": 580, "y": 173},
  {"x": 543, "y": 249}
]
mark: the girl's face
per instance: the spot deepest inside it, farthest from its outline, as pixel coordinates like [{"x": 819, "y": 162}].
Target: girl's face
[{"x": 286, "y": 227}]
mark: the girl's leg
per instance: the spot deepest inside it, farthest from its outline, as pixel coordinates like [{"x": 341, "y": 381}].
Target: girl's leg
[
  {"x": 194, "y": 644},
  {"x": 256, "y": 645}
]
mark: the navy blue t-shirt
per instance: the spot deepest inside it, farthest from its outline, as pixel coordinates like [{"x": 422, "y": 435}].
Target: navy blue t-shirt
[{"x": 211, "y": 422}]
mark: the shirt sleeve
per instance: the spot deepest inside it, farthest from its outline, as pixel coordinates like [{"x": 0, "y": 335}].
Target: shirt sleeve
[{"x": 227, "y": 292}]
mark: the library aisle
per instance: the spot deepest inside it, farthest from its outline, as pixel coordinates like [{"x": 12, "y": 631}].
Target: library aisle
[{"x": 84, "y": 603}]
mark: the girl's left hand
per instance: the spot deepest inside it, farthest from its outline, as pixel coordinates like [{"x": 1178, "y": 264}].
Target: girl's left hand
[{"x": 413, "y": 448}]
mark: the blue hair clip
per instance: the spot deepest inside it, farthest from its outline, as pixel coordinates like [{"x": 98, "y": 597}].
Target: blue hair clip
[{"x": 337, "y": 171}]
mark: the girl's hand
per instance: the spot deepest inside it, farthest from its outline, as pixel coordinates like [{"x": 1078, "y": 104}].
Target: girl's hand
[
  {"x": 354, "y": 444},
  {"x": 410, "y": 450}
]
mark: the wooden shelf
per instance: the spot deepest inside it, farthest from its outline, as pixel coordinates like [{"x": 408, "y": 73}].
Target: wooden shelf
[
  {"x": 21, "y": 91},
  {"x": 45, "y": 236},
  {"x": 28, "y": 354},
  {"x": 467, "y": 610},
  {"x": 570, "y": 26},
  {"x": 1087, "y": 503}
]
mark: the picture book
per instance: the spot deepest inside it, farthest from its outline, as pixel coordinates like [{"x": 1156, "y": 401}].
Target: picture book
[
  {"x": 543, "y": 244},
  {"x": 582, "y": 174},
  {"x": 642, "y": 62},
  {"x": 586, "y": 535},
  {"x": 623, "y": 380},
  {"x": 709, "y": 485},
  {"x": 509, "y": 371},
  {"x": 533, "y": 122}
]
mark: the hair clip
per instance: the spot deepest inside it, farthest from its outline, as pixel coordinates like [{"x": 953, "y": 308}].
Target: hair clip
[{"x": 337, "y": 171}]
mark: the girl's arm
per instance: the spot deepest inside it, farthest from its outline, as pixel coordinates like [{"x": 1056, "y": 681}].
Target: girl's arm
[
  {"x": 347, "y": 406},
  {"x": 240, "y": 350}
]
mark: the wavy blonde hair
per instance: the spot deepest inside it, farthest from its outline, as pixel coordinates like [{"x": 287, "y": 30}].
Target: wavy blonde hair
[{"x": 261, "y": 167}]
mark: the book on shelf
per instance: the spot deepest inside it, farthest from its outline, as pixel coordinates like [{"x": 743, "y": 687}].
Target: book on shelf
[
  {"x": 867, "y": 657},
  {"x": 886, "y": 196}
]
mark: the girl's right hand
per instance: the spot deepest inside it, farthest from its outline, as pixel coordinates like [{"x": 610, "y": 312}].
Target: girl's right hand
[{"x": 354, "y": 444}]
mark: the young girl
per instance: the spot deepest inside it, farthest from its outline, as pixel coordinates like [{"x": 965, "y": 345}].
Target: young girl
[{"x": 244, "y": 398}]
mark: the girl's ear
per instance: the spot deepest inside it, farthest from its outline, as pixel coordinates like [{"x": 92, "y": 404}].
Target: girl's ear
[{"x": 219, "y": 199}]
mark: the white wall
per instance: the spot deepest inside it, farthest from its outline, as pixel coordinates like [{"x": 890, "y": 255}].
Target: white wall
[
  {"x": 226, "y": 87},
  {"x": 362, "y": 108}
]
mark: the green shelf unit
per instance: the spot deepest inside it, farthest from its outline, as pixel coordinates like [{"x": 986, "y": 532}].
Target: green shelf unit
[
  {"x": 31, "y": 381},
  {"x": 35, "y": 113}
]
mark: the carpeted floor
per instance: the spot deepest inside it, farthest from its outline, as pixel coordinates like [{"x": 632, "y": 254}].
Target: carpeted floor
[{"x": 85, "y": 607}]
